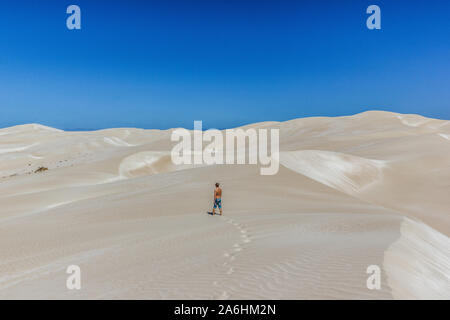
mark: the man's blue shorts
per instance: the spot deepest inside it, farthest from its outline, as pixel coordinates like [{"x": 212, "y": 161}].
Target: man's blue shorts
[{"x": 218, "y": 203}]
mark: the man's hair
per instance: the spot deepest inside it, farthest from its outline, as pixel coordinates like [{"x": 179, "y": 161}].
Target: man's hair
[{"x": 217, "y": 184}]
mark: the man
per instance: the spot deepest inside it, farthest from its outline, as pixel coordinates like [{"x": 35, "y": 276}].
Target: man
[{"x": 217, "y": 199}]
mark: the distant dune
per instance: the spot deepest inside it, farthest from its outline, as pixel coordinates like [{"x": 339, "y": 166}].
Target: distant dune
[{"x": 355, "y": 191}]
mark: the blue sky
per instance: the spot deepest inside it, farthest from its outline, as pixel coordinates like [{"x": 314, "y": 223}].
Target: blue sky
[{"x": 162, "y": 64}]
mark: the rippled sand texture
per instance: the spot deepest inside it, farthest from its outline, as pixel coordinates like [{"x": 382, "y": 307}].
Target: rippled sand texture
[{"x": 369, "y": 189}]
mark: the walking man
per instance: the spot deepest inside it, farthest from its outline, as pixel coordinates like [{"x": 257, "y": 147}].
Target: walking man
[{"x": 217, "y": 199}]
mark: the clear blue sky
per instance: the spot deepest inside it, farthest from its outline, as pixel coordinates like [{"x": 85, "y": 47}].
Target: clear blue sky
[{"x": 162, "y": 64}]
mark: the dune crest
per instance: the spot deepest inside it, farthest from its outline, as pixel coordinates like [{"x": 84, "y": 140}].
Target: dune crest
[
  {"x": 149, "y": 163},
  {"x": 344, "y": 172},
  {"x": 418, "y": 263}
]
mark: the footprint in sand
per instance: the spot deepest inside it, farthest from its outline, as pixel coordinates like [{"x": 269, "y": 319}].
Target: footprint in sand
[
  {"x": 245, "y": 239},
  {"x": 231, "y": 256}
]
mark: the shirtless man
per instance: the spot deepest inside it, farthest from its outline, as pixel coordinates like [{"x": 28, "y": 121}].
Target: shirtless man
[{"x": 217, "y": 199}]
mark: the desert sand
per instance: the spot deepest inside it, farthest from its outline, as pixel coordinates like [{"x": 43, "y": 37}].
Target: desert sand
[{"x": 354, "y": 191}]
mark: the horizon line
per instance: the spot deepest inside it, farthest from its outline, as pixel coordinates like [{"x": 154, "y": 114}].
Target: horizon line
[{"x": 239, "y": 126}]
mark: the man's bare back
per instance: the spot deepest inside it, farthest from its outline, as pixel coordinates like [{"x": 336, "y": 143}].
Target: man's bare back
[{"x": 218, "y": 193}]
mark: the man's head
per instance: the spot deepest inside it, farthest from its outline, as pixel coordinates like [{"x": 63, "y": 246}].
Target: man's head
[{"x": 217, "y": 184}]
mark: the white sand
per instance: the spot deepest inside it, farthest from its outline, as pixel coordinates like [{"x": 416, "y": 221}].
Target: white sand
[{"x": 370, "y": 189}]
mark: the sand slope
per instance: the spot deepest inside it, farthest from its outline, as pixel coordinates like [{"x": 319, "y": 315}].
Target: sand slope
[{"x": 370, "y": 189}]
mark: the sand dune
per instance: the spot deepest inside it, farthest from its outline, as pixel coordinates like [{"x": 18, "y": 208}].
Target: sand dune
[
  {"x": 417, "y": 264},
  {"x": 355, "y": 191},
  {"x": 347, "y": 173},
  {"x": 148, "y": 163}
]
